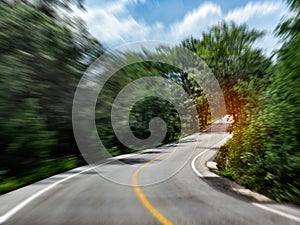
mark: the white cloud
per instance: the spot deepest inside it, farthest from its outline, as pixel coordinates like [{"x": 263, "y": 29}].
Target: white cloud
[
  {"x": 159, "y": 26},
  {"x": 113, "y": 24},
  {"x": 262, "y": 16},
  {"x": 112, "y": 29},
  {"x": 197, "y": 20},
  {"x": 258, "y": 10}
]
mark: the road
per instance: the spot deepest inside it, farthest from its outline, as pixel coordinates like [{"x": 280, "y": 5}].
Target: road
[{"x": 143, "y": 189}]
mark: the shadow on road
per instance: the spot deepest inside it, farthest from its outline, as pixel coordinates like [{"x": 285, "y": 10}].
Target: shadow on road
[
  {"x": 152, "y": 152},
  {"x": 226, "y": 186},
  {"x": 129, "y": 161}
]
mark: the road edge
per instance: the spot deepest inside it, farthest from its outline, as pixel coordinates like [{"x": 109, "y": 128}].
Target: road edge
[{"x": 240, "y": 189}]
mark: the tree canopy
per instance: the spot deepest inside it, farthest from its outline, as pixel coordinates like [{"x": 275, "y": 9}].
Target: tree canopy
[
  {"x": 43, "y": 56},
  {"x": 264, "y": 155}
]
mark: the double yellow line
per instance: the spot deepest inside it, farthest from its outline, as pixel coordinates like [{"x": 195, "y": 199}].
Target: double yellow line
[{"x": 160, "y": 217}]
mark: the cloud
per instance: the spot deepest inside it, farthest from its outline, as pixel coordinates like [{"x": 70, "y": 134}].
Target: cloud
[
  {"x": 113, "y": 24},
  {"x": 112, "y": 29},
  {"x": 258, "y": 10},
  {"x": 262, "y": 16},
  {"x": 197, "y": 20}
]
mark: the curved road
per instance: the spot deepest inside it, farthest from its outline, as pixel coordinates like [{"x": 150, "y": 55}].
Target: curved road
[{"x": 190, "y": 196}]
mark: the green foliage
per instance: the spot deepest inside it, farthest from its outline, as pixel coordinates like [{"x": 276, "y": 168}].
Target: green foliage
[
  {"x": 141, "y": 113},
  {"x": 290, "y": 26},
  {"x": 24, "y": 137},
  {"x": 264, "y": 152},
  {"x": 149, "y": 108},
  {"x": 46, "y": 169},
  {"x": 228, "y": 50},
  {"x": 41, "y": 61},
  {"x": 190, "y": 43},
  {"x": 50, "y": 8}
]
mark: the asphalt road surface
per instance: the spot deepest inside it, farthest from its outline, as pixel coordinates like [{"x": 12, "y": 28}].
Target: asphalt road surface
[{"x": 166, "y": 185}]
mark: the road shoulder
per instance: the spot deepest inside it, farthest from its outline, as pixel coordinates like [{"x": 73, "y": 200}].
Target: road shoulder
[{"x": 222, "y": 184}]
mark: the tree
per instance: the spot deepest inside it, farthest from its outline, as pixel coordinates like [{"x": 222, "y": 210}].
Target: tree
[
  {"x": 190, "y": 43},
  {"x": 49, "y": 7},
  {"x": 228, "y": 50},
  {"x": 41, "y": 62},
  {"x": 264, "y": 155},
  {"x": 281, "y": 115}
]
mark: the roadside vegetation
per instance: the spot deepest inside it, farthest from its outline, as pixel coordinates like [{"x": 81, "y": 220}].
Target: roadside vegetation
[
  {"x": 43, "y": 54},
  {"x": 42, "y": 58},
  {"x": 264, "y": 152}
]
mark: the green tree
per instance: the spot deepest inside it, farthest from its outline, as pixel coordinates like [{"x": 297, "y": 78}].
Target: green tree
[
  {"x": 265, "y": 154},
  {"x": 228, "y": 50},
  {"x": 49, "y": 7},
  {"x": 41, "y": 62}
]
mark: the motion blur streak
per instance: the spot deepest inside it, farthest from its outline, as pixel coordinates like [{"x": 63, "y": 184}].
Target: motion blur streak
[{"x": 143, "y": 198}]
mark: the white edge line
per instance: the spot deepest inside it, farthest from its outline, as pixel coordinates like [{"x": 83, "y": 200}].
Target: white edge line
[
  {"x": 25, "y": 202},
  {"x": 194, "y": 160},
  {"x": 21, "y": 205},
  {"x": 286, "y": 215},
  {"x": 203, "y": 152}
]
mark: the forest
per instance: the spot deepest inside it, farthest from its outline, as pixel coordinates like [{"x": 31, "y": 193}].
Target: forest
[{"x": 44, "y": 53}]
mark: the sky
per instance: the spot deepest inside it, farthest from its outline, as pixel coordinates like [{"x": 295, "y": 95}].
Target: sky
[{"x": 117, "y": 22}]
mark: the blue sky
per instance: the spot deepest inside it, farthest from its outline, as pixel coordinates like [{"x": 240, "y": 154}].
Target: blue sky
[{"x": 122, "y": 21}]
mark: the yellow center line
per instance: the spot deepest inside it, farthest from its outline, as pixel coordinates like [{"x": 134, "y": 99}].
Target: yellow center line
[{"x": 160, "y": 217}]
